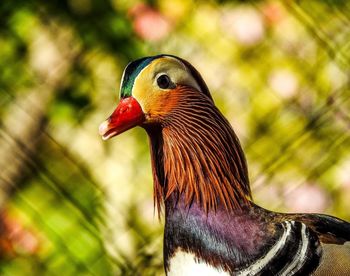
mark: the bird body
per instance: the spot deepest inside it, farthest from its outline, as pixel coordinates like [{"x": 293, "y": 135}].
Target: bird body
[{"x": 200, "y": 176}]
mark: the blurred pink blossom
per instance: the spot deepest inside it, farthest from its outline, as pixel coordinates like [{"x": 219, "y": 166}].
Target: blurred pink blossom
[
  {"x": 308, "y": 198},
  {"x": 245, "y": 24},
  {"x": 273, "y": 12},
  {"x": 284, "y": 83},
  {"x": 149, "y": 23},
  {"x": 343, "y": 174},
  {"x": 15, "y": 238}
]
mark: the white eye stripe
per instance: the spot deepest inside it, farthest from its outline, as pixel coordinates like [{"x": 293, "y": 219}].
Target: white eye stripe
[
  {"x": 178, "y": 73},
  {"x": 161, "y": 74}
]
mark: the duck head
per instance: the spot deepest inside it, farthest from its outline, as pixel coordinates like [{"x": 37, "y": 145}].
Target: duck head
[
  {"x": 194, "y": 151},
  {"x": 150, "y": 90}
]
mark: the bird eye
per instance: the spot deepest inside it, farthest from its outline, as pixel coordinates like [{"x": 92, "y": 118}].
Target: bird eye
[{"x": 164, "y": 81}]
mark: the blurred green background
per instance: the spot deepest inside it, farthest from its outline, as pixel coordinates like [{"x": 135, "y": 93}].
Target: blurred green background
[{"x": 71, "y": 204}]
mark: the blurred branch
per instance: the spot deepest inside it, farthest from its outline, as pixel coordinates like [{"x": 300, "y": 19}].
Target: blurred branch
[
  {"x": 334, "y": 50},
  {"x": 50, "y": 58}
]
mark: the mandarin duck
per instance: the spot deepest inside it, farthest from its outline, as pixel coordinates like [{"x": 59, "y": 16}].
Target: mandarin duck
[{"x": 212, "y": 226}]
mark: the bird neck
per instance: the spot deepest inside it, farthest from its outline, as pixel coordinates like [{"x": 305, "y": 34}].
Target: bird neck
[
  {"x": 197, "y": 157},
  {"x": 224, "y": 240}
]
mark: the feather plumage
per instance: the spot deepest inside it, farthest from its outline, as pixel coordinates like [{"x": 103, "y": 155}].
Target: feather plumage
[
  {"x": 191, "y": 140},
  {"x": 200, "y": 175}
]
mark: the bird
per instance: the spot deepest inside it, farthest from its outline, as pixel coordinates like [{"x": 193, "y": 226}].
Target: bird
[{"x": 201, "y": 184}]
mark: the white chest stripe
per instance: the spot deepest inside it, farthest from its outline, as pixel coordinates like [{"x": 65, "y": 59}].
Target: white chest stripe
[
  {"x": 299, "y": 258},
  {"x": 261, "y": 263},
  {"x": 185, "y": 264}
]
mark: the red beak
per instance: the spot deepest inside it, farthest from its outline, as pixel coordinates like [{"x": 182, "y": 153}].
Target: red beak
[{"x": 128, "y": 114}]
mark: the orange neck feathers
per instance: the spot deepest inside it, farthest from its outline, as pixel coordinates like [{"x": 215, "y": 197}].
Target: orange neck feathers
[{"x": 196, "y": 155}]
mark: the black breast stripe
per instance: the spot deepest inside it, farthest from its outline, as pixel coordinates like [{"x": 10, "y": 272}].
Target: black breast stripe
[{"x": 297, "y": 251}]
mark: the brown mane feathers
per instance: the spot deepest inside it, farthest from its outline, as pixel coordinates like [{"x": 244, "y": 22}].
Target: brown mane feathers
[{"x": 196, "y": 154}]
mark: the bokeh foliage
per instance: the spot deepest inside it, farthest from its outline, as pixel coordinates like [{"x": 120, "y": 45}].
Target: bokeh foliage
[{"x": 71, "y": 204}]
